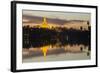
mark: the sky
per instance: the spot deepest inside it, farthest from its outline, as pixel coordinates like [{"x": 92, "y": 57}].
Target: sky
[{"x": 58, "y": 15}]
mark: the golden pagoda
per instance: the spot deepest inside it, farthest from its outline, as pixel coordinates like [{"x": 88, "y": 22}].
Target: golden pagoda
[{"x": 44, "y": 24}]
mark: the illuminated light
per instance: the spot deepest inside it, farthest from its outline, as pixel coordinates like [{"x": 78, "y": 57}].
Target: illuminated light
[
  {"x": 44, "y": 24},
  {"x": 44, "y": 50}
]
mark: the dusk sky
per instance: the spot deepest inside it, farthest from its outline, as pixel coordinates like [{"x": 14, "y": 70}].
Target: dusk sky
[{"x": 58, "y": 15}]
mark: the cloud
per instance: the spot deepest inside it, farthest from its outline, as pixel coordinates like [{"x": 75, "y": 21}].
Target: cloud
[{"x": 59, "y": 15}]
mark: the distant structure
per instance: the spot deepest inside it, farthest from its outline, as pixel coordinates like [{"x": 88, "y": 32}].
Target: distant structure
[
  {"x": 78, "y": 24},
  {"x": 44, "y": 24}
]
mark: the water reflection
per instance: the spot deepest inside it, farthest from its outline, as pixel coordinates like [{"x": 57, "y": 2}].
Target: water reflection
[
  {"x": 44, "y": 50},
  {"x": 55, "y": 50},
  {"x": 55, "y": 44}
]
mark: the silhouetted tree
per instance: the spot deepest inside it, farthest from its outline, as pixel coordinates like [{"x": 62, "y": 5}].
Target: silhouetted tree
[
  {"x": 81, "y": 28},
  {"x": 87, "y": 22}
]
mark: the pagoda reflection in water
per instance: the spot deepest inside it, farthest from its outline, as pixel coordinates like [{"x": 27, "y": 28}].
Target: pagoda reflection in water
[{"x": 46, "y": 41}]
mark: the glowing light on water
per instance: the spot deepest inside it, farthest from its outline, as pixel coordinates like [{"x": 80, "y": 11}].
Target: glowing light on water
[{"x": 44, "y": 50}]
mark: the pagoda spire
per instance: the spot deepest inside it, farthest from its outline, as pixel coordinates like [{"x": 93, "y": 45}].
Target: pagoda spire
[{"x": 45, "y": 24}]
